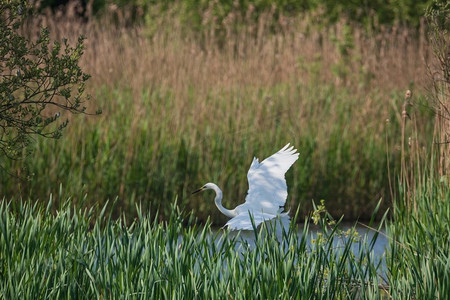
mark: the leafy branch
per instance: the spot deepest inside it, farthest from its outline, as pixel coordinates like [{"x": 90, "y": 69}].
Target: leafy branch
[{"x": 38, "y": 80}]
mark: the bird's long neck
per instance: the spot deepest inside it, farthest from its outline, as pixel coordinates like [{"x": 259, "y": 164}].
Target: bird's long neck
[{"x": 218, "y": 201}]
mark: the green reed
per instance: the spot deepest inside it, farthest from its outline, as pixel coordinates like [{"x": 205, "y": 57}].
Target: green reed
[
  {"x": 73, "y": 252},
  {"x": 419, "y": 256},
  {"x": 85, "y": 254},
  {"x": 155, "y": 147}
]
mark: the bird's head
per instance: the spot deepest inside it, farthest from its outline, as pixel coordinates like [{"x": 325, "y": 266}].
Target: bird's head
[{"x": 208, "y": 186}]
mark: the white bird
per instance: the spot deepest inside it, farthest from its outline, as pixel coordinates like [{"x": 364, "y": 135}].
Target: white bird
[{"x": 267, "y": 191}]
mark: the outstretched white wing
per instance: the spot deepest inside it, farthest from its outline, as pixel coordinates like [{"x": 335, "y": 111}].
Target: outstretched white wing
[{"x": 267, "y": 186}]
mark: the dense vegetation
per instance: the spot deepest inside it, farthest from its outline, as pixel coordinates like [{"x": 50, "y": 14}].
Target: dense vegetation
[
  {"x": 80, "y": 254},
  {"x": 85, "y": 254},
  {"x": 179, "y": 111},
  {"x": 385, "y": 12},
  {"x": 185, "y": 107}
]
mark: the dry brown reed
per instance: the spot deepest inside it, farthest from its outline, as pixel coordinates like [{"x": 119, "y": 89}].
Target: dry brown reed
[{"x": 252, "y": 55}]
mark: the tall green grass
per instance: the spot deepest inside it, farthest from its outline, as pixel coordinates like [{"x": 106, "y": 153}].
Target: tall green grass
[
  {"x": 80, "y": 253},
  {"x": 419, "y": 256},
  {"x": 151, "y": 150},
  {"x": 84, "y": 254}
]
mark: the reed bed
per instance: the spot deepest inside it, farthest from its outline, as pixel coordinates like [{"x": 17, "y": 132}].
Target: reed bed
[
  {"x": 84, "y": 254},
  {"x": 81, "y": 253},
  {"x": 418, "y": 258},
  {"x": 181, "y": 109}
]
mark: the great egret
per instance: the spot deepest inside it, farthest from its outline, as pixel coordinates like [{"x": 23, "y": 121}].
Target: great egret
[{"x": 267, "y": 191}]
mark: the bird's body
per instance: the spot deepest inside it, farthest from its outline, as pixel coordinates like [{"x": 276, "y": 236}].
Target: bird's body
[{"x": 267, "y": 191}]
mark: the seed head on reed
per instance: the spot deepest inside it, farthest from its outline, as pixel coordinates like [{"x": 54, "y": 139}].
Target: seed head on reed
[{"x": 408, "y": 95}]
